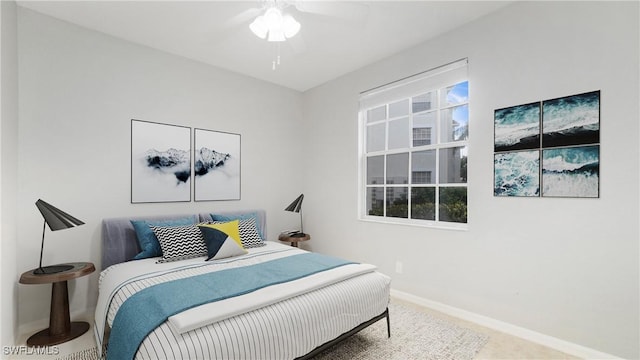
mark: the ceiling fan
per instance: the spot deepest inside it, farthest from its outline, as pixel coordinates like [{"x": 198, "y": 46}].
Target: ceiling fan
[
  {"x": 274, "y": 25},
  {"x": 274, "y": 20}
]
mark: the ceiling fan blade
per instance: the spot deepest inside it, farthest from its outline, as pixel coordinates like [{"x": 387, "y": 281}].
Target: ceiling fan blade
[
  {"x": 244, "y": 17},
  {"x": 351, "y": 11}
]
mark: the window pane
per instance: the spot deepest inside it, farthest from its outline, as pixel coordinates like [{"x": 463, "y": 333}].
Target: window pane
[
  {"x": 375, "y": 170},
  {"x": 423, "y": 203},
  {"x": 455, "y": 124},
  {"x": 400, "y": 108},
  {"x": 453, "y": 165},
  {"x": 377, "y": 114},
  {"x": 375, "y": 201},
  {"x": 375, "y": 137},
  {"x": 398, "y": 168},
  {"x": 423, "y": 167},
  {"x": 423, "y": 102},
  {"x": 423, "y": 129},
  {"x": 456, "y": 94},
  {"x": 399, "y": 134},
  {"x": 453, "y": 204},
  {"x": 397, "y": 202}
]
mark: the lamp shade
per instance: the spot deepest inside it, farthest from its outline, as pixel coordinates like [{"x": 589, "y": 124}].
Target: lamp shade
[
  {"x": 290, "y": 26},
  {"x": 259, "y": 27},
  {"x": 296, "y": 205},
  {"x": 276, "y": 35},
  {"x": 56, "y": 218}
]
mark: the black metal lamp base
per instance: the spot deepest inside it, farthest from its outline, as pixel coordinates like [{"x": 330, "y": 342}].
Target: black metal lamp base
[{"x": 52, "y": 269}]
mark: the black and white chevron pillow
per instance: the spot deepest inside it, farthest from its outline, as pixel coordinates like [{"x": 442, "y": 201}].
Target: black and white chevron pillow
[{"x": 180, "y": 242}]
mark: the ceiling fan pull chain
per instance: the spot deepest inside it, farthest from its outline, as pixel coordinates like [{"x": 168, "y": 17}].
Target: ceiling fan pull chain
[
  {"x": 274, "y": 61},
  {"x": 276, "y": 58},
  {"x": 278, "y": 45}
]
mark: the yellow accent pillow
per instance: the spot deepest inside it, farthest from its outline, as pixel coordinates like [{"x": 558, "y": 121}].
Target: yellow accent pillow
[{"x": 230, "y": 228}]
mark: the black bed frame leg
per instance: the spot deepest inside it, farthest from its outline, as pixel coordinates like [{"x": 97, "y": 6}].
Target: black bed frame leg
[{"x": 388, "y": 324}]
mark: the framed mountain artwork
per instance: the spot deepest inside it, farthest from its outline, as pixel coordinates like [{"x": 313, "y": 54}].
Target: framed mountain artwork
[
  {"x": 160, "y": 162},
  {"x": 216, "y": 165}
]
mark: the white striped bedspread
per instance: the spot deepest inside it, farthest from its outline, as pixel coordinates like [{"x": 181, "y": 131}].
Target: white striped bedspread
[{"x": 285, "y": 329}]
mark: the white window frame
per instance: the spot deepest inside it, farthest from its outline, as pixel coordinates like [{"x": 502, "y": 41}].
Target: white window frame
[{"x": 431, "y": 80}]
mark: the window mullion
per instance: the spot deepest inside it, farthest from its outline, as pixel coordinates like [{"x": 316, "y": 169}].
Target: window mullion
[
  {"x": 412, "y": 148},
  {"x": 384, "y": 163},
  {"x": 409, "y": 181},
  {"x": 384, "y": 186},
  {"x": 438, "y": 149}
]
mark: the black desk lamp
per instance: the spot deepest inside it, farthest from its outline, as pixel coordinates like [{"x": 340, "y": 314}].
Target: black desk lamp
[
  {"x": 57, "y": 220},
  {"x": 296, "y": 206}
]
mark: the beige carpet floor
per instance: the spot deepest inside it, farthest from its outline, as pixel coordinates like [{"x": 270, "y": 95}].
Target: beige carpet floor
[{"x": 415, "y": 335}]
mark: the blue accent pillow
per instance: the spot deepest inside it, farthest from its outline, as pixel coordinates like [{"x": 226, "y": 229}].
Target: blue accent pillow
[
  {"x": 147, "y": 239},
  {"x": 225, "y": 218}
]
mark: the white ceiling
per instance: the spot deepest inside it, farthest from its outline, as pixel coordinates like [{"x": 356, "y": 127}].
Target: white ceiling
[{"x": 336, "y": 37}]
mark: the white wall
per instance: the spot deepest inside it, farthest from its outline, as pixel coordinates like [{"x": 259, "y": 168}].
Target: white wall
[
  {"x": 563, "y": 267},
  {"x": 79, "y": 90},
  {"x": 8, "y": 170}
]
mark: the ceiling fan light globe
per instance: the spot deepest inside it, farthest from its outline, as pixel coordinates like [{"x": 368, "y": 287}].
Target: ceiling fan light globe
[
  {"x": 276, "y": 35},
  {"x": 259, "y": 27},
  {"x": 290, "y": 26},
  {"x": 273, "y": 18}
]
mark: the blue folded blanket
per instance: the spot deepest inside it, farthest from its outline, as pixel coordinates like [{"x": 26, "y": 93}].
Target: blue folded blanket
[{"x": 140, "y": 314}]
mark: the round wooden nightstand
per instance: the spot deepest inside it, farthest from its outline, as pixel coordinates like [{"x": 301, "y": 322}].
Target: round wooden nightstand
[
  {"x": 61, "y": 329},
  {"x": 294, "y": 239}
]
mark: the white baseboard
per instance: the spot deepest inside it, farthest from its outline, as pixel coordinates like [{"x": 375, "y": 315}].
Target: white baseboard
[{"x": 529, "y": 335}]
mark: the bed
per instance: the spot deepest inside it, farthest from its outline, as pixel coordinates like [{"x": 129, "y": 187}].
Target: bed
[{"x": 269, "y": 301}]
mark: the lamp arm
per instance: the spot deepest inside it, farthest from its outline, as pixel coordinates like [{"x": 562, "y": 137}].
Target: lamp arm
[{"x": 44, "y": 227}]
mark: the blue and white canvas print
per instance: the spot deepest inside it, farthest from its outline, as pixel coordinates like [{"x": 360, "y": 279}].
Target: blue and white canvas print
[
  {"x": 517, "y": 173},
  {"x": 517, "y": 127},
  {"x": 571, "y": 120},
  {"x": 160, "y": 162},
  {"x": 217, "y": 165},
  {"x": 571, "y": 172}
]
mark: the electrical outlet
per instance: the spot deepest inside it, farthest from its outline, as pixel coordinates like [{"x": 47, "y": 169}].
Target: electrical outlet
[{"x": 398, "y": 267}]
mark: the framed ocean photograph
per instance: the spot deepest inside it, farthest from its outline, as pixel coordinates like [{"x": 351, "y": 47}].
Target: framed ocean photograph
[
  {"x": 217, "y": 165},
  {"x": 517, "y": 173},
  {"x": 571, "y": 120},
  {"x": 160, "y": 162},
  {"x": 517, "y": 127},
  {"x": 571, "y": 172}
]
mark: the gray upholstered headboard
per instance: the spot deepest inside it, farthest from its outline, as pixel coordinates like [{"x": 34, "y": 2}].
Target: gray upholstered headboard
[{"x": 119, "y": 242}]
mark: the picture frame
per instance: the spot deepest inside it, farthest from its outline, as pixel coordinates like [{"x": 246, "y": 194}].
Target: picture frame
[
  {"x": 517, "y": 173},
  {"x": 517, "y": 127},
  {"x": 160, "y": 162},
  {"x": 571, "y": 120},
  {"x": 571, "y": 172},
  {"x": 217, "y": 165}
]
